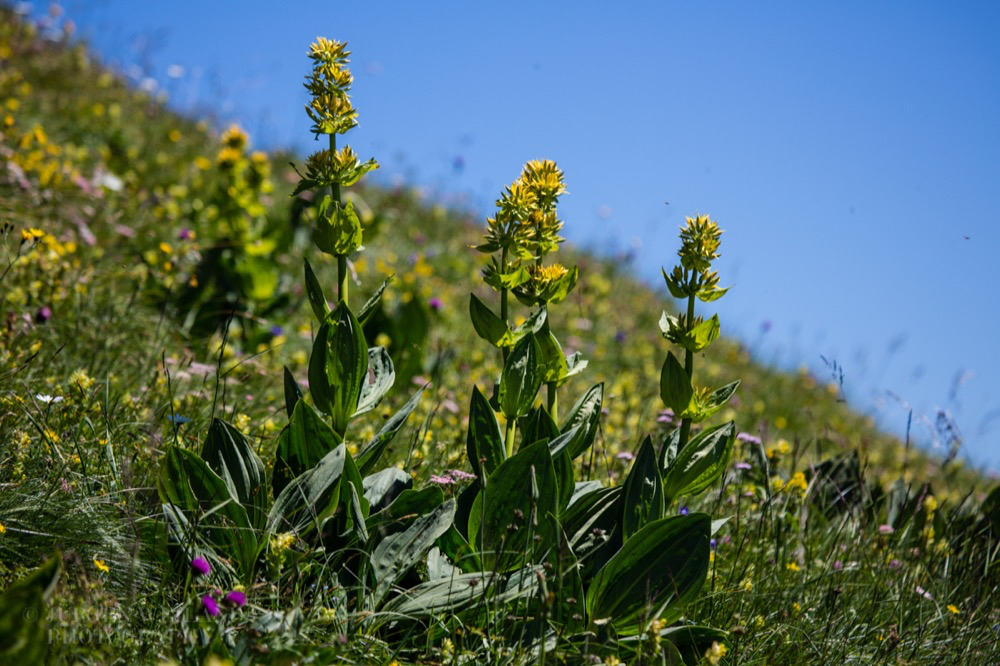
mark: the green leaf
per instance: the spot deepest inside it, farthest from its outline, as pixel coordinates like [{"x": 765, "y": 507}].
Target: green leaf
[
  {"x": 520, "y": 492},
  {"x": 701, "y": 462},
  {"x": 575, "y": 364},
  {"x": 372, "y": 303},
  {"x": 642, "y": 491},
  {"x": 551, "y": 361},
  {"x": 710, "y": 294},
  {"x": 23, "y": 615},
  {"x": 715, "y": 401},
  {"x": 675, "y": 385},
  {"x": 311, "y": 497},
  {"x": 676, "y": 289},
  {"x": 520, "y": 379},
  {"x": 339, "y": 366},
  {"x": 586, "y": 412},
  {"x": 592, "y": 524},
  {"x": 488, "y": 325},
  {"x": 484, "y": 443},
  {"x": 338, "y": 230},
  {"x": 315, "y": 293},
  {"x": 397, "y": 553},
  {"x": 443, "y": 595},
  {"x": 533, "y": 324},
  {"x": 187, "y": 482},
  {"x": 655, "y": 574},
  {"x": 292, "y": 392},
  {"x": 381, "y": 376},
  {"x": 458, "y": 550},
  {"x": 702, "y": 335},
  {"x": 410, "y": 504},
  {"x": 668, "y": 451},
  {"x": 537, "y": 425},
  {"x": 301, "y": 445},
  {"x": 373, "y": 450},
  {"x": 382, "y": 487},
  {"x": 229, "y": 454}
]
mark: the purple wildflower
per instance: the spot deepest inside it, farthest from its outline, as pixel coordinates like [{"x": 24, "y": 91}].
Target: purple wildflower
[
  {"x": 748, "y": 438},
  {"x": 885, "y": 529},
  {"x": 712, "y": 543},
  {"x": 277, "y": 330},
  {"x": 436, "y": 303},
  {"x": 743, "y": 465},
  {"x": 838, "y": 565},
  {"x": 666, "y": 416},
  {"x": 442, "y": 480},
  {"x": 184, "y": 234},
  {"x": 235, "y": 598},
  {"x": 894, "y": 563},
  {"x": 460, "y": 475},
  {"x": 43, "y": 314},
  {"x": 201, "y": 566},
  {"x": 210, "y": 605},
  {"x": 684, "y": 511},
  {"x": 624, "y": 455},
  {"x": 620, "y": 337}
]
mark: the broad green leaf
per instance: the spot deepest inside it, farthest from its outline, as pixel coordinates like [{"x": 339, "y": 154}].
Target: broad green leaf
[
  {"x": 317, "y": 299},
  {"x": 373, "y": 450},
  {"x": 484, "y": 443},
  {"x": 381, "y": 376},
  {"x": 292, "y": 392},
  {"x": 668, "y": 452},
  {"x": 592, "y": 524},
  {"x": 338, "y": 230},
  {"x": 23, "y": 615},
  {"x": 229, "y": 454},
  {"x": 674, "y": 285},
  {"x": 586, "y": 412},
  {"x": 397, "y": 553},
  {"x": 458, "y": 551},
  {"x": 339, "y": 366},
  {"x": 704, "y": 334},
  {"x": 410, "y": 504},
  {"x": 444, "y": 595},
  {"x": 352, "y": 489},
  {"x": 655, "y": 574},
  {"x": 488, "y": 325},
  {"x": 535, "y": 322},
  {"x": 675, "y": 385},
  {"x": 708, "y": 295},
  {"x": 311, "y": 497},
  {"x": 520, "y": 379},
  {"x": 382, "y": 487},
  {"x": 371, "y": 304},
  {"x": 701, "y": 462},
  {"x": 510, "y": 515},
  {"x": 551, "y": 361},
  {"x": 301, "y": 445},
  {"x": 537, "y": 425},
  {"x": 187, "y": 482},
  {"x": 642, "y": 491}
]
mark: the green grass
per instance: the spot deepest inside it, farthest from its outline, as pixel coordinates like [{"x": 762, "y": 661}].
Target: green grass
[{"x": 111, "y": 178}]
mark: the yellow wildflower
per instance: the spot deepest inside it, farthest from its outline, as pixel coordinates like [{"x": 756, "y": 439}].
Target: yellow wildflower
[
  {"x": 31, "y": 234},
  {"x": 3, "y": 529},
  {"x": 715, "y": 653},
  {"x": 953, "y": 609},
  {"x": 793, "y": 566},
  {"x": 101, "y": 566},
  {"x": 930, "y": 504}
]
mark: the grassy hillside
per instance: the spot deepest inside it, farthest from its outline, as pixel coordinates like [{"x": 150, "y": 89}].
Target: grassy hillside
[{"x": 150, "y": 279}]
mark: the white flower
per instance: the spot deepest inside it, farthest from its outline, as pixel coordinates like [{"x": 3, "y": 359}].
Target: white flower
[{"x": 48, "y": 399}]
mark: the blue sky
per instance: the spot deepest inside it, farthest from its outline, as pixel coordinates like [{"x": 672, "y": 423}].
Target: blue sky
[{"x": 849, "y": 149}]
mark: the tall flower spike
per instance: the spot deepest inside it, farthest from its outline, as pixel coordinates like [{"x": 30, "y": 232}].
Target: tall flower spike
[{"x": 329, "y": 82}]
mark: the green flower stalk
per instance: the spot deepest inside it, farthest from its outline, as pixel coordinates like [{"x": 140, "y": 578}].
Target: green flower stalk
[
  {"x": 692, "y": 278},
  {"x": 524, "y": 231},
  {"x": 338, "y": 229}
]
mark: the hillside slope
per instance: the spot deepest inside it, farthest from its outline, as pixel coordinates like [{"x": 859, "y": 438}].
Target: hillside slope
[{"x": 150, "y": 278}]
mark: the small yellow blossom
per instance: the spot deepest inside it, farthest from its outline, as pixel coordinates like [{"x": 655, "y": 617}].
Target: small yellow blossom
[
  {"x": 3, "y": 529},
  {"x": 31, "y": 234},
  {"x": 930, "y": 504},
  {"x": 793, "y": 566},
  {"x": 953, "y": 609},
  {"x": 101, "y": 566},
  {"x": 714, "y": 654},
  {"x": 612, "y": 661}
]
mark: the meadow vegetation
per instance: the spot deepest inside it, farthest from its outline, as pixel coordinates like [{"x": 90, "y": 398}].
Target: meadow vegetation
[{"x": 253, "y": 412}]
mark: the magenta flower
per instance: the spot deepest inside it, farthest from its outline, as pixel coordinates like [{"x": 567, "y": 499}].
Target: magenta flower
[
  {"x": 201, "y": 566},
  {"x": 436, "y": 303},
  {"x": 837, "y": 565},
  {"x": 210, "y": 605},
  {"x": 743, "y": 465},
  {"x": 44, "y": 314},
  {"x": 235, "y": 598},
  {"x": 460, "y": 475},
  {"x": 885, "y": 529},
  {"x": 748, "y": 438}
]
